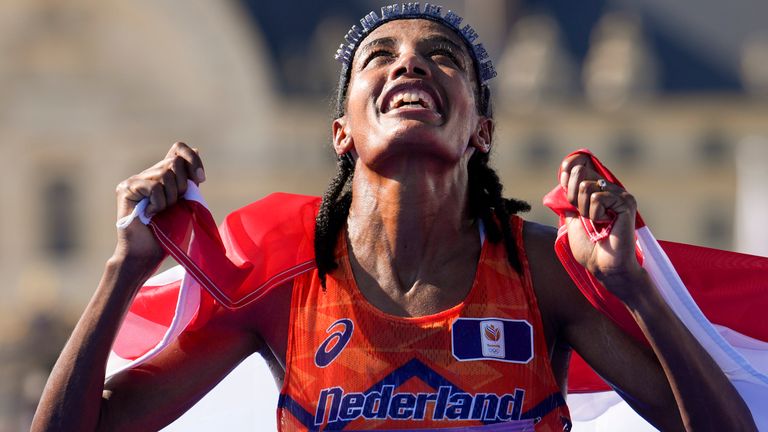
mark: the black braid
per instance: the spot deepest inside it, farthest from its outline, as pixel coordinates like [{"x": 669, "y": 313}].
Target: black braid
[
  {"x": 332, "y": 216},
  {"x": 487, "y": 203}
]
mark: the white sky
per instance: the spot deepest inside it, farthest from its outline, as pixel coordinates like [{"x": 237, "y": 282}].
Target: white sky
[{"x": 246, "y": 401}]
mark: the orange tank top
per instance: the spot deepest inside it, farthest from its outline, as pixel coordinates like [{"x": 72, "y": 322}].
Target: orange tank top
[{"x": 480, "y": 365}]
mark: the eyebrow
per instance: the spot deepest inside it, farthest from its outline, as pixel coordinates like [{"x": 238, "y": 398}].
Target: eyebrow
[
  {"x": 442, "y": 39},
  {"x": 385, "y": 41},
  {"x": 392, "y": 42}
]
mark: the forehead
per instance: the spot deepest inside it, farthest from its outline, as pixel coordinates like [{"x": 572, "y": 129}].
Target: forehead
[{"x": 412, "y": 30}]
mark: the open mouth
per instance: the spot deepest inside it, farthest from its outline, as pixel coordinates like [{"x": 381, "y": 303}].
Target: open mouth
[{"x": 409, "y": 98}]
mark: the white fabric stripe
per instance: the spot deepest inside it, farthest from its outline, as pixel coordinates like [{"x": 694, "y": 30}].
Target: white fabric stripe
[
  {"x": 167, "y": 277},
  {"x": 115, "y": 362},
  {"x": 589, "y": 406},
  {"x": 618, "y": 416},
  {"x": 745, "y": 343}
]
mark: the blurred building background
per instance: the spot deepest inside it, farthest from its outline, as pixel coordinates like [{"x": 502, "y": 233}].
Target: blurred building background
[{"x": 673, "y": 96}]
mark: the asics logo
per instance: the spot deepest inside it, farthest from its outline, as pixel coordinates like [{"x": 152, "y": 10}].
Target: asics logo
[{"x": 340, "y": 334}]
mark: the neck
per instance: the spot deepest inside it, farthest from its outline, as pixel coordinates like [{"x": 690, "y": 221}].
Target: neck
[{"x": 403, "y": 224}]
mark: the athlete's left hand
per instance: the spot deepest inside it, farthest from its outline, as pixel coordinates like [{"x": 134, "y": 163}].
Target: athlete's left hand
[{"x": 612, "y": 260}]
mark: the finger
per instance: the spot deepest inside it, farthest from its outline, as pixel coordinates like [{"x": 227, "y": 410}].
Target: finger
[
  {"x": 618, "y": 202},
  {"x": 599, "y": 201},
  {"x": 170, "y": 188},
  {"x": 577, "y": 175},
  {"x": 569, "y": 163},
  {"x": 178, "y": 166},
  {"x": 175, "y": 149},
  {"x": 157, "y": 201},
  {"x": 194, "y": 165},
  {"x": 586, "y": 189},
  {"x": 130, "y": 192}
]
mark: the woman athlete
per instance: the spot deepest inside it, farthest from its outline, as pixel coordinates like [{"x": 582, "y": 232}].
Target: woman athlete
[{"x": 432, "y": 304}]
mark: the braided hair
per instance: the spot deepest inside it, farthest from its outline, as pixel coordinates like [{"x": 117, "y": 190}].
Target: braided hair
[{"x": 486, "y": 200}]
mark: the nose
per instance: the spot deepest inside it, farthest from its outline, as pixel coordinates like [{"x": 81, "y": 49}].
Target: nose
[{"x": 410, "y": 64}]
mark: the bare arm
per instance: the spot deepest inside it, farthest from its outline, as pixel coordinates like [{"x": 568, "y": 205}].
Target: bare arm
[
  {"x": 632, "y": 368},
  {"x": 153, "y": 395},
  {"x": 705, "y": 398},
  {"x": 72, "y": 397}
]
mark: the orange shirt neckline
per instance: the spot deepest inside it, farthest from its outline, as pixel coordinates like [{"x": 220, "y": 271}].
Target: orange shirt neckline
[{"x": 455, "y": 310}]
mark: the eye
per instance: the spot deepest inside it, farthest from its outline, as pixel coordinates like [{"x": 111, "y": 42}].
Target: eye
[
  {"x": 445, "y": 52},
  {"x": 376, "y": 54}
]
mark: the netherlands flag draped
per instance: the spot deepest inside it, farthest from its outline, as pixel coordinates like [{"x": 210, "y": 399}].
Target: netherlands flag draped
[
  {"x": 256, "y": 249},
  {"x": 720, "y": 296}
]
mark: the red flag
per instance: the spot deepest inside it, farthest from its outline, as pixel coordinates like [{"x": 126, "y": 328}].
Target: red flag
[
  {"x": 718, "y": 295},
  {"x": 256, "y": 249}
]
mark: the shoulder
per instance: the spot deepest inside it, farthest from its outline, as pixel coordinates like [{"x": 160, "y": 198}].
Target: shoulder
[
  {"x": 539, "y": 242},
  {"x": 555, "y": 291},
  {"x": 559, "y": 299},
  {"x": 538, "y": 236}
]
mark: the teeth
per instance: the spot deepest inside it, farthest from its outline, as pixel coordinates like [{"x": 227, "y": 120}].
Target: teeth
[
  {"x": 426, "y": 100},
  {"x": 411, "y": 96}
]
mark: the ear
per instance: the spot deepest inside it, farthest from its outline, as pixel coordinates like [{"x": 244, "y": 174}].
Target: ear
[
  {"x": 342, "y": 139},
  {"x": 483, "y": 135}
]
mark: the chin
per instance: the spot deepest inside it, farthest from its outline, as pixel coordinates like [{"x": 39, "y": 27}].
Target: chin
[{"x": 416, "y": 146}]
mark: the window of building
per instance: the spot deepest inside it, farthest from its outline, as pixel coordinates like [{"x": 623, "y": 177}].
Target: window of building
[
  {"x": 59, "y": 206},
  {"x": 538, "y": 150},
  {"x": 716, "y": 226},
  {"x": 712, "y": 148},
  {"x": 627, "y": 148}
]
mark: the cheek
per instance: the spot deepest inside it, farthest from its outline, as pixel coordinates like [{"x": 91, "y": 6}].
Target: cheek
[
  {"x": 359, "y": 93},
  {"x": 468, "y": 100}
]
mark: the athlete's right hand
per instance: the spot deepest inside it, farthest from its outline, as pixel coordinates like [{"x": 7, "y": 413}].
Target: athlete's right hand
[{"x": 164, "y": 183}]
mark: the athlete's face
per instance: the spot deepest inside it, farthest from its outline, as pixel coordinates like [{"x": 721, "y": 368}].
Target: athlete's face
[{"x": 411, "y": 94}]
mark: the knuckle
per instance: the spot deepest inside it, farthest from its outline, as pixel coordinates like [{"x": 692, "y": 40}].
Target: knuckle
[
  {"x": 583, "y": 186},
  {"x": 175, "y": 159},
  {"x": 156, "y": 188},
  {"x": 578, "y": 173},
  {"x": 125, "y": 185},
  {"x": 168, "y": 177}
]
